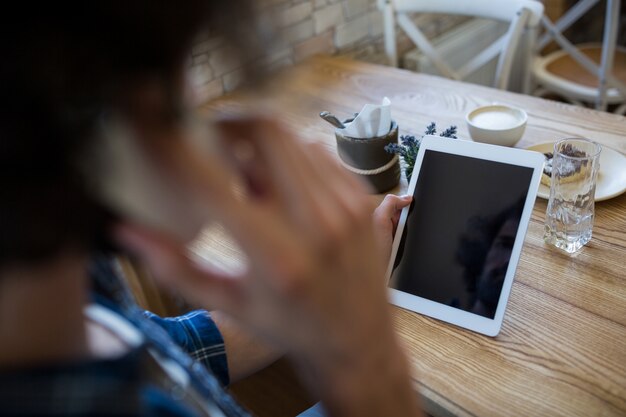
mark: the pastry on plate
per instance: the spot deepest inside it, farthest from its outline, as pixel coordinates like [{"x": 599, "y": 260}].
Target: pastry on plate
[{"x": 572, "y": 169}]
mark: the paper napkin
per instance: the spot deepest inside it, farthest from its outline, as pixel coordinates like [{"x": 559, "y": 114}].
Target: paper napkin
[{"x": 372, "y": 121}]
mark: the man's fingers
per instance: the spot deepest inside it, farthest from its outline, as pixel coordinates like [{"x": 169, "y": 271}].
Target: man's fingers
[
  {"x": 401, "y": 203},
  {"x": 303, "y": 178},
  {"x": 391, "y": 207}
]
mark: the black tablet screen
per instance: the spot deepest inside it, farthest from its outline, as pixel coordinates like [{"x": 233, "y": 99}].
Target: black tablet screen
[{"x": 460, "y": 231}]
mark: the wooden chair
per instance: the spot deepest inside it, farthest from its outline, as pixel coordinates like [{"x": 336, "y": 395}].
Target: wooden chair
[
  {"x": 592, "y": 73},
  {"x": 147, "y": 293},
  {"x": 523, "y": 16}
]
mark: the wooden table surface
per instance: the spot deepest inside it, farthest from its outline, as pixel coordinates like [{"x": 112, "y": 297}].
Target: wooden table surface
[{"x": 562, "y": 347}]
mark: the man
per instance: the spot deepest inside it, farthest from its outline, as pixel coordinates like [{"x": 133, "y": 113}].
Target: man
[{"x": 96, "y": 155}]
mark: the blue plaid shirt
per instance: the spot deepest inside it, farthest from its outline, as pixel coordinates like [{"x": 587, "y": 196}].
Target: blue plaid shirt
[{"x": 131, "y": 385}]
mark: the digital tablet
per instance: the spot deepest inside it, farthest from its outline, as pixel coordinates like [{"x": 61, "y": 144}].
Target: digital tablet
[{"x": 457, "y": 245}]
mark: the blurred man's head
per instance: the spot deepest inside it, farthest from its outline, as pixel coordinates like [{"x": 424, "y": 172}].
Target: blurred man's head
[{"x": 67, "y": 70}]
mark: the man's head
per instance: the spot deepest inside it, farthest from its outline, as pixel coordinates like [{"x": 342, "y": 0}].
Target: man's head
[{"x": 66, "y": 70}]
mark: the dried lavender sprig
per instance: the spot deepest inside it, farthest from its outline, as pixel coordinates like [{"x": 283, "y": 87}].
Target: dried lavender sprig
[
  {"x": 408, "y": 140},
  {"x": 449, "y": 133},
  {"x": 409, "y": 146}
]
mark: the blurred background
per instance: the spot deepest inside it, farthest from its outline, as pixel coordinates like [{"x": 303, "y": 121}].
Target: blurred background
[{"x": 354, "y": 28}]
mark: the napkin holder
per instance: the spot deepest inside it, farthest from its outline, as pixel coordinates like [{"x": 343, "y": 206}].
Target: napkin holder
[{"x": 368, "y": 159}]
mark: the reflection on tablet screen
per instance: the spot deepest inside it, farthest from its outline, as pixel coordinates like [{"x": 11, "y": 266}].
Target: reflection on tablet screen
[{"x": 460, "y": 231}]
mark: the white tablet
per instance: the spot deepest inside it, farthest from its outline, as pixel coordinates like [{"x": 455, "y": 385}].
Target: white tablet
[{"x": 457, "y": 246}]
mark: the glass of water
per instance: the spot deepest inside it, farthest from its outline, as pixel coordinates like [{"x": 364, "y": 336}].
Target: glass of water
[{"x": 569, "y": 217}]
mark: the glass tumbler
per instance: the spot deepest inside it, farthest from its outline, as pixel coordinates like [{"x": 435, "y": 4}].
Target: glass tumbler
[{"x": 570, "y": 213}]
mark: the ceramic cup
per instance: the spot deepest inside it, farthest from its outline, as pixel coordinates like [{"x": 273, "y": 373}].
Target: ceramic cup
[{"x": 496, "y": 124}]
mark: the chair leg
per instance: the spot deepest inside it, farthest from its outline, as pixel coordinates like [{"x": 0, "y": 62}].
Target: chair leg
[
  {"x": 608, "y": 50},
  {"x": 390, "y": 34},
  {"x": 529, "y": 41}
]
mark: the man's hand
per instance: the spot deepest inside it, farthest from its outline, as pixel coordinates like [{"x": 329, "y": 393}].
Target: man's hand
[
  {"x": 386, "y": 217},
  {"x": 314, "y": 278}
]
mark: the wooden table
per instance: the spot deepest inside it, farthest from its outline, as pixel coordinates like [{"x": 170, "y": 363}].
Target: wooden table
[{"x": 562, "y": 348}]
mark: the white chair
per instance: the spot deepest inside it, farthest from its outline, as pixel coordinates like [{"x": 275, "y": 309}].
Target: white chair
[
  {"x": 523, "y": 15},
  {"x": 587, "y": 72}
]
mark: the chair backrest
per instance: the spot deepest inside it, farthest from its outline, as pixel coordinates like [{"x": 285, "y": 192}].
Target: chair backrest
[{"x": 523, "y": 15}]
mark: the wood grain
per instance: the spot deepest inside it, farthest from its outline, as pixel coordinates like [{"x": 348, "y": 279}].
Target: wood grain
[{"x": 562, "y": 348}]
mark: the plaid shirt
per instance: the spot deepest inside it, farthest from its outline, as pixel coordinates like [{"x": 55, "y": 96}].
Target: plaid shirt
[{"x": 135, "y": 384}]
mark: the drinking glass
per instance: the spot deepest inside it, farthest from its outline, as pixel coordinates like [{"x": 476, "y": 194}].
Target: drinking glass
[{"x": 569, "y": 217}]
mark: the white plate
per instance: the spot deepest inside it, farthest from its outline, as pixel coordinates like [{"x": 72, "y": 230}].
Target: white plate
[{"x": 611, "y": 177}]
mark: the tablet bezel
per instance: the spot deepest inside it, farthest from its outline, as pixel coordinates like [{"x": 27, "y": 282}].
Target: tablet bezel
[{"x": 513, "y": 156}]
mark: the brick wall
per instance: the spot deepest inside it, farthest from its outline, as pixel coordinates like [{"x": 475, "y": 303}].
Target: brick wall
[{"x": 351, "y": 28}]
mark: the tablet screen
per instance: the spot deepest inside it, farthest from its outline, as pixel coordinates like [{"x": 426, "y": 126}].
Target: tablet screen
[{"x": 460, "y": 231}]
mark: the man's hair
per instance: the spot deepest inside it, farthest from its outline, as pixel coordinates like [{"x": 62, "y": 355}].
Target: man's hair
[{"x": 62, "y": 66}]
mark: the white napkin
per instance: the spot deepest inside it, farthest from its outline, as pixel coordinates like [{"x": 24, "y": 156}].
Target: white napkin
[{"x": 372, "y": 121}]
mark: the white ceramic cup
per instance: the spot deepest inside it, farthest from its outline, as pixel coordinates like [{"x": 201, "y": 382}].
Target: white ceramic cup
[{"x": 497, "y": 124}]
